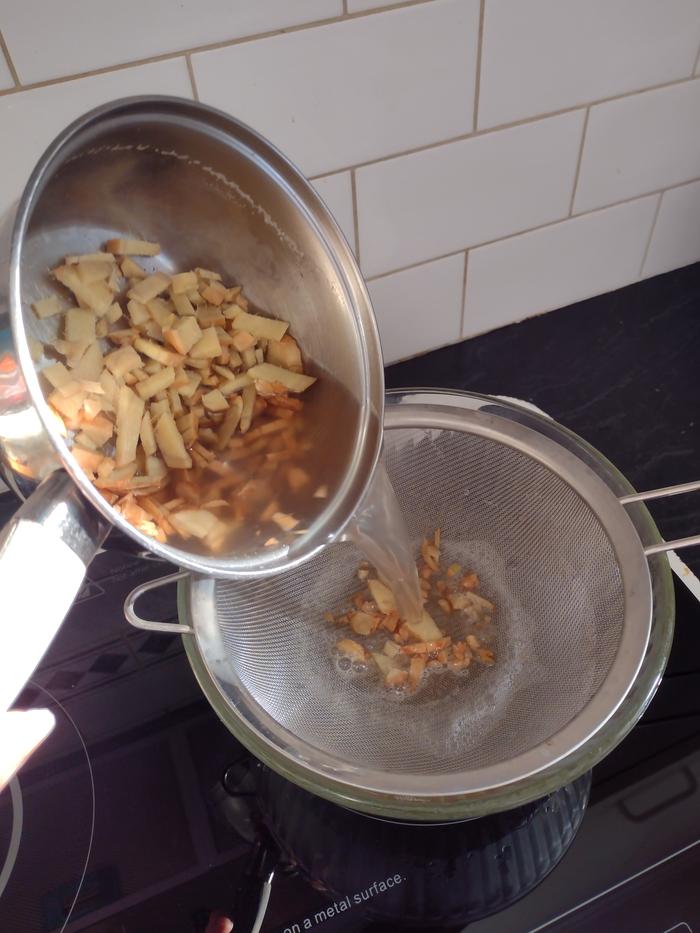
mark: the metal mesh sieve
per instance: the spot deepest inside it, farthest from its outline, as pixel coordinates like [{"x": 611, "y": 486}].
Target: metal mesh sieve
[{"x": 548, "y": 540}]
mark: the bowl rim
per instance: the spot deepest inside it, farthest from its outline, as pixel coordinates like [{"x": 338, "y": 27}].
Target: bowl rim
[{"x": 507, "y": 795}]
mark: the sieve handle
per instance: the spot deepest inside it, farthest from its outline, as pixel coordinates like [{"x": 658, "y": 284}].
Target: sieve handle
[
  {"x": 662, "y": 493},
  {"x": 132, "y": 616}
]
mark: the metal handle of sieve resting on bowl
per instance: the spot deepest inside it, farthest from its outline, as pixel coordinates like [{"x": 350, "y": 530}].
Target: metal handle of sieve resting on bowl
[
  {"x": 132, "y": 616},
  {"x": 662, "y": 493}
]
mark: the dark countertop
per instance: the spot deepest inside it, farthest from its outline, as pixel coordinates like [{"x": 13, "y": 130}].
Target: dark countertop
[{"x": 621, "y": 370}]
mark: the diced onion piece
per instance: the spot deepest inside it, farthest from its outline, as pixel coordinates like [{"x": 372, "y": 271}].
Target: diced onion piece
[
  {"x": 295, "y": 382},
  {"x": 170, "y": 443}
]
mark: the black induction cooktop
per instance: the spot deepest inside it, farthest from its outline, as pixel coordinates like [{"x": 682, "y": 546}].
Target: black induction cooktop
[{"x": 141, "y": 813}]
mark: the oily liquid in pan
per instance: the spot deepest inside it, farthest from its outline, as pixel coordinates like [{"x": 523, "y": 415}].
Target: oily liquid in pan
[{"x": 326, "y": 426}]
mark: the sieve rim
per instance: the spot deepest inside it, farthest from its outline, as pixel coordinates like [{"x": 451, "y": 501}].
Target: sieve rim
[{"x": 636, "y": 586}]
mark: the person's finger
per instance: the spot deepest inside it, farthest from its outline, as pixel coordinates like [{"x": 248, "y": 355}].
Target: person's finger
[
  {"x": 21, "y": 731},
  {"x": 219, "y": 923}
]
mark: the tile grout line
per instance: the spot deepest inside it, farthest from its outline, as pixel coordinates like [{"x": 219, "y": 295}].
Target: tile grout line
[
  {"x": 216, "y": 46},
  {"x": 517, "y": 233},
  {"x": 190, "y": 72},
  {"x": 578, "y": 161},
  {"x": 477, "y": 78},
  {"x": 355, "y": 215},
  {"x": 525, "y": 121},
  {"x": 8, "y": 58},
  {"x": 464, "y": 293},
  {"x": 651, "y": 234}
]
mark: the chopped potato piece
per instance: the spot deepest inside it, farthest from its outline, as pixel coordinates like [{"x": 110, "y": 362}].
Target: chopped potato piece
[
  {"x": 57, "y": 374},
  {"x": 214, "y": 293},
  {"x": 183, "y": 282},
  {"x": 150, "y": 287},
  {"x": 285, "y": 522},
  {"x": 99, "y": 430},
  {"x": 285, "y": 353},
  {"x": 95, "y": 270},
  {"x": 214, "y": 401},
  {"x": 183, "y": 305},
  {"x": 183, "y": 335},
  {"x": 124, "y": 247},
  {"x": 362, "y": 624},
  {"x": 46, "y": 307},
  {"x": 80, "y": 325},
  {"x": 295, "y": 382},
  {"x": 148, "y": 441},
  {"x": 170, "y": 443},
  {"x": 259, "y": 326},
  {"x": 129, "y": 415},
  {"x": 156, "y": 383},
  {"x": 196, "y": 522},
  {"x": 123, "y": 361},
  {"x": 425, "y": 630},
  {"x": 176, "y": 376},
  {"x": 157, "y": 352},
  {"x": 208, "y": 346},
  {"x": 131, "y": 269}
]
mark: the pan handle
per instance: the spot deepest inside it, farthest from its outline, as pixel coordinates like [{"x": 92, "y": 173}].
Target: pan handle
[
  {"x": 45, "y": 549},
  {"x": 662, "y": 493},
  {"x": 132, "y": 616}
]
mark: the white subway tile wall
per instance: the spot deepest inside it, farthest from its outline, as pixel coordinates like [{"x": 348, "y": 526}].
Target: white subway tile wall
[
  {"x": 420, "y": 308},
  {"x": 336, "y": 191},
  {"x": 356, "y": 90},
  {"x": 545, "y": 55},
  {"x": 83, "y": 35},
  {"x": 640, "y": 144},
  {"x": 676, "y": 237},
  {"x": 6, "y": 79},
  {"x": 420, "y": 206},
  {"x": 31, "y": 119},
  {"x": 556, "y": 265},
  {"x": 550, "y": 147}
]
